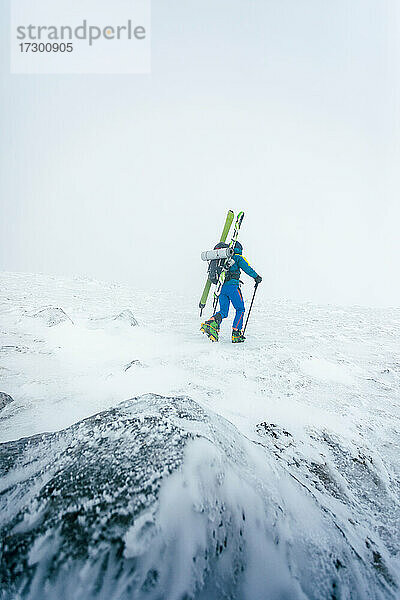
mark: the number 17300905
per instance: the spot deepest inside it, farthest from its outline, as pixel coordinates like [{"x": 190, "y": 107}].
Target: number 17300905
[{"x": 46, "y": 47}]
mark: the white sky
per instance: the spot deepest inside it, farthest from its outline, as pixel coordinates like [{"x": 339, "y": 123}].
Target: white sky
[{"x": 287, "y": 109}]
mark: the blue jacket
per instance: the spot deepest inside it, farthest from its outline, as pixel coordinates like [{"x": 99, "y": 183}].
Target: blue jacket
[{"x": 240, "y": 264}]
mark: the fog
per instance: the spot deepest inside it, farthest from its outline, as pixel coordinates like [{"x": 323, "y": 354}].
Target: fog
[{"x": 286, "y": 109}]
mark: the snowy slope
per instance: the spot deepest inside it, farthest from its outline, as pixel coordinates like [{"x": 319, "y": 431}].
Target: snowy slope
[{"x": 171, "y": 467}]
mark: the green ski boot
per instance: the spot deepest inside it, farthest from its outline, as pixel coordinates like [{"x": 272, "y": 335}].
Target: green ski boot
[
  {"x": 237, "y": 336},
  {"x": 211, "y": 329}
]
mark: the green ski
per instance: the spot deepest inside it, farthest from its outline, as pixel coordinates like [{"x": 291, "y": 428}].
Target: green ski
[{"x": 224, "y": 235}]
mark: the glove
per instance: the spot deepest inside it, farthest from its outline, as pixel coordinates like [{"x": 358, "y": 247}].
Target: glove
[{"x": 258, "y": 279}]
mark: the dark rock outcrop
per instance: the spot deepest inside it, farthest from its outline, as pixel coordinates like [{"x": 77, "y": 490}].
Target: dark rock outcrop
[
  {"x": 51, "y": 316},
  {"x": 126, "y": 316},
  {"x": 160, "y": 498},
  {"x": 5, "y": 399}
]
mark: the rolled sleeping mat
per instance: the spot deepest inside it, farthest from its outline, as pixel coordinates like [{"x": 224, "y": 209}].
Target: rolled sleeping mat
[{"x": 217, "y": 254}]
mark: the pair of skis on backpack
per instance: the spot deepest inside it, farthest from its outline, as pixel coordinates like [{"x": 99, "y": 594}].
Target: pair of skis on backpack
[{"x": 222, "y": 256}]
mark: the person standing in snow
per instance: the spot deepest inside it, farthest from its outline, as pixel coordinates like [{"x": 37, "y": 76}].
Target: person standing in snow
[{"x": 230, "y": 292}]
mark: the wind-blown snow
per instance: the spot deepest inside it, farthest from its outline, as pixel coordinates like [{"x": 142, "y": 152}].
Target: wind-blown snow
[{"x": 265, "y": 470}]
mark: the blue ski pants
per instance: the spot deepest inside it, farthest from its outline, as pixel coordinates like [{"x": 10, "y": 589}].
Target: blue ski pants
[{"x": 230, "y": 292}]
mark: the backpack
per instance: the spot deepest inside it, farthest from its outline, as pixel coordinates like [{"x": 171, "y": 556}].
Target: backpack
[{"x": 216, "y": 265}]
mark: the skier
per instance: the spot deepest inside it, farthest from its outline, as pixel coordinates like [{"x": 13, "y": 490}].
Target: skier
[{"x": 230, "y": 292}]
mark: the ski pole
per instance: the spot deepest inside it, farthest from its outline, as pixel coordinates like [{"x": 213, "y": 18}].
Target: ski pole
[{"x": 251, "y": 306}]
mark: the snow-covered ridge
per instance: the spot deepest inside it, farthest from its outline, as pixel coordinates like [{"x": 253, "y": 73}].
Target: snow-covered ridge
[{"x": 271, "y": 470}]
